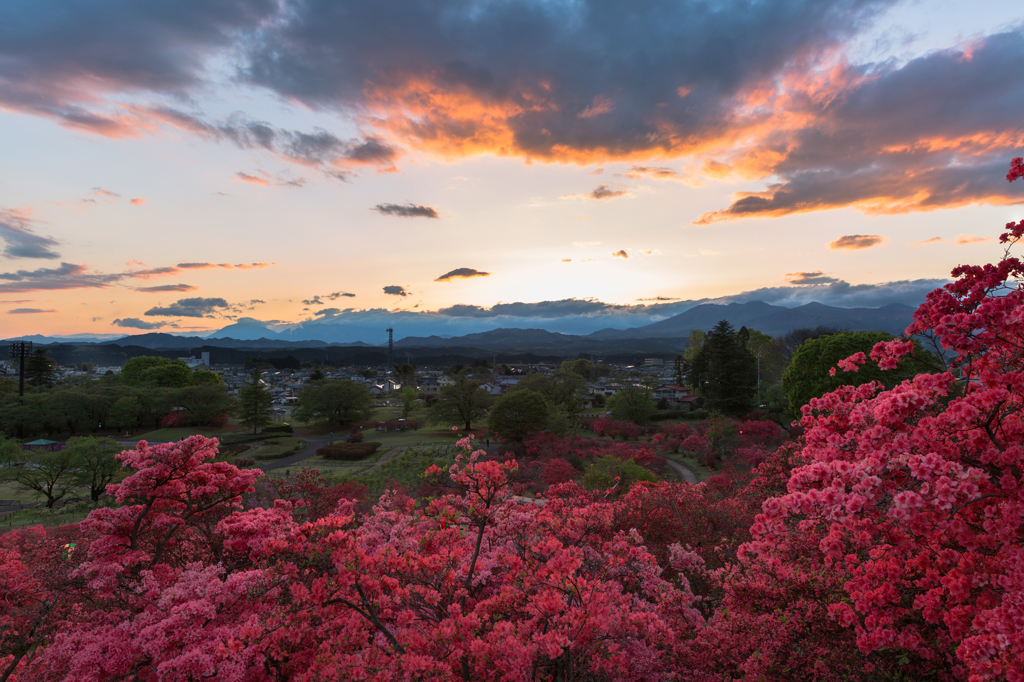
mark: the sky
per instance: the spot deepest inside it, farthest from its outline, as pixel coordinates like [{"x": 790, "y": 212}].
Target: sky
[{"x": 568, "y": 165}]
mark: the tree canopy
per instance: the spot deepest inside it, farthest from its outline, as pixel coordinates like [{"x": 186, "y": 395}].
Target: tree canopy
[
  {"x": 517, "y": 414},
  {"x": 334, "y": 402},
  {"x": 811, "y": 372},
  {"x": 463, "y": 402}
]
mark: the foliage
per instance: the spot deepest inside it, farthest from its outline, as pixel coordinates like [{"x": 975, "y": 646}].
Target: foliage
[
  {"x": 632, "y": 404},
  {"x": 348, "y": 451},
  {"x": 334, "y": 402},
  {"x": 517, "y": 414},
  {"x": 611, "y": 472},
  {"x": 811, "y": 372},
  {"x": 162, "y": 372},
  {"x": 916, "y": 490},
  {"x": 724, "y": 371},
  {"x": 408, "y": 396},
  {"x": 254, "y": 406},
  {"x": 95, "y": 462},
  {"x": 565, "y": 389},
  {"x": 463, "y": 402}
]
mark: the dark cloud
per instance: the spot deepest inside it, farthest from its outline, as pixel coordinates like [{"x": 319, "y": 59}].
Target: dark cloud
[
  {"x": 406, "y": 211},
  {"x": 327, "y": 312},
  {"x": 461, "y": 273},
  {"x": 602, "y": 191},
  {"x": 166, "y": 287},
  {"x": 816, "y": 277},
  {"x": 659, "y": 298},
  {"x": 933, "y": 133},
  {"x": 853, "y": 242},
  {"x": 621, "y": 253},
  {"x": 136, "y": 323},
  {"x": 28, "y": 311},
  {"x": 763, "y": 86},
  {"x": 317, "y": 300},
  {"x": 189, "y": 307},
  {"x": 396, "y": 290},
  {"x": 20, "y": 240},
  {"x": 842, "y": 294}
]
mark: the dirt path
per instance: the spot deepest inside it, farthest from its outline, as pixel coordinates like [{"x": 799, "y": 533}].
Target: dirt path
[{"x": 685, "y": 472}]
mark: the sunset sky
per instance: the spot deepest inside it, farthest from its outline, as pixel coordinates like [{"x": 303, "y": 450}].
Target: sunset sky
[{"x": 176, "y": 166}]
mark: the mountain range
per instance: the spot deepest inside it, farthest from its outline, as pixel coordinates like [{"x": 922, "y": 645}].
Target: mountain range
[{"x": 663, "y": 335}]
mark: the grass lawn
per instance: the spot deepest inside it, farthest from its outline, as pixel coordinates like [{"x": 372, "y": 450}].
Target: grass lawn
[
  {"x": 274, "y": 448},
  {"x": 179, "y": 432},
  {"x": 12, "y": 491}
]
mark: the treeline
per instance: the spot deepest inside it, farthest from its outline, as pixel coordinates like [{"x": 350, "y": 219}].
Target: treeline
[{"x": 149, "y": 391}]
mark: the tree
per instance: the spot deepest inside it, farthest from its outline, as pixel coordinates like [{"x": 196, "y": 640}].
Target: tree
[
  {"x": 10, "y": 452},
  {"x": 334, "y": 402},
  {"x": 517, "y": 414},
  {"x": 162, "y": 372},
  {"x": 254, "y": 406},
  {"x": 51, "y": 473},
  {"x": 693, "y": 345},
  {"x": 409, "y": 396},
  {"x": 205, "y": 403},
  {"x": 95, "y": 462},
  {"x": 125, "y": 413},
  {"x": 677, "y": 369},
  {"x": 811, "y": 372},
  {"x": 40, "y": 370},
  {"x": 725, "y": 372},
  {"x": 632, "y": 404},
  {"x": 464, "y": 401},
  {"x": 405, "y": 374},
  {"x": 564, "y": 388},
  {"x": 915, "y": 490}
]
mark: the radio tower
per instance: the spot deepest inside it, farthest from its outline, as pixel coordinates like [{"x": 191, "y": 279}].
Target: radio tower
[{"x": 391, "y": 349}]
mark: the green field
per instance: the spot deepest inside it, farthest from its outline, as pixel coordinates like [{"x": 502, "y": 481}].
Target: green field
[{"x": 406, "y": 469}]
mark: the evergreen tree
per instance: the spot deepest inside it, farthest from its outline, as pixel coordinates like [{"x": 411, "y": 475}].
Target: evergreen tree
[
  {"x": 724, "y": 371},
  {"x": 40, "y": 370},
  {"x": 254, "y": 403}
]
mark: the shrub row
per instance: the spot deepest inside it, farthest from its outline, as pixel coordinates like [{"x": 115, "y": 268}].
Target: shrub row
[{"x": 348, "y": 451}]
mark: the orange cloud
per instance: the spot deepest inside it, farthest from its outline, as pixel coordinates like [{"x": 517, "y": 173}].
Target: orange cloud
[
  {"x": 600, "y": 105},
  {"x": 933, "y": 240},
  {"x": 621, "y": 253},
  {"x": 853, "y": 242},
  {"x": 137, "y": 201},
  {"x": 971, "y": 239},
  {"x": 251, "y": 179}
]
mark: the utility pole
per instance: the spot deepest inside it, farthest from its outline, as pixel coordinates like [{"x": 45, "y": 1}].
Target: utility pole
[
  {"x": 391, "y": 349},
  {"x": 21, "y": 349}
]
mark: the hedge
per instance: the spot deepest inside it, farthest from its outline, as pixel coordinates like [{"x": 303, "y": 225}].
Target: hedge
[{"x": 348, "y": 451}]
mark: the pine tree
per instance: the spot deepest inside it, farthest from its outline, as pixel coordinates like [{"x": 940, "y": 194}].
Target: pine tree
[
  {"x": 725, "y": 372},
  {"x": 254, "y": 403},
  {"x": 41, "y": 370}
]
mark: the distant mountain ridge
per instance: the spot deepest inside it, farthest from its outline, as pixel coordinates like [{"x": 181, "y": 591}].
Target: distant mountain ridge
[{"x": 764, "y": 317}]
